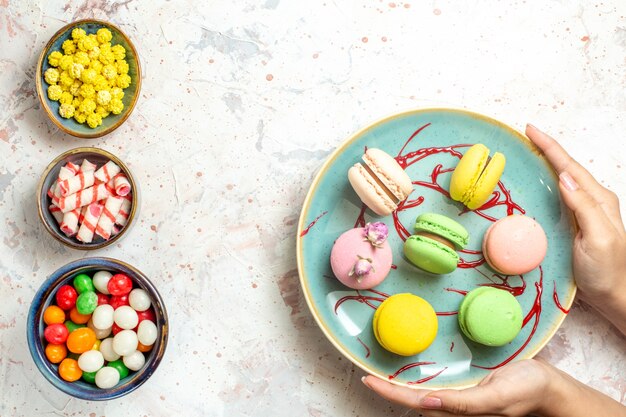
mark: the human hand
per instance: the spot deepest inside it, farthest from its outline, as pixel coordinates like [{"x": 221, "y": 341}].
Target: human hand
[
  {"x": 599, "y": 252},
  {"x": 515, "y": 390}
]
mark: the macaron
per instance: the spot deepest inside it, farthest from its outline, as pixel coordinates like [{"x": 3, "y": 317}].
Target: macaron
[
  {"x": 476, "y": 176},
  {"x": 405, "y": 324},
  {"x": 433, "y": 247},
  {"x": 361, "y": 257},
  {"x": 515, "y": 245},
  {"x": 490, "y": 316},
  {"x": 380, "y": 183}
]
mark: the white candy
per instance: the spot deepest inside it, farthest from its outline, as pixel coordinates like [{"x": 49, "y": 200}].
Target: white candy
[
  {"x": 125, "y": 342},
  {"x": 147, "y": 332},
  {"x": 107, "y": 377},
  {"x": 102, "y": 317},
  {"x": 139, "y": 299},
  {"x": 90, "y": 361},
  {"x": 100, "y": 333},
  {"x": 100, "y": 281},
  {"x": 126, "y": 317},
  {"x": 106, "y": 348},
  {"x": 134, "y": 361}
]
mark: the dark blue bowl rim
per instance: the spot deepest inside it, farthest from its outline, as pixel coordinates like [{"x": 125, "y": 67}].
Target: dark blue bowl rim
[{"x": 37, "y": 349}]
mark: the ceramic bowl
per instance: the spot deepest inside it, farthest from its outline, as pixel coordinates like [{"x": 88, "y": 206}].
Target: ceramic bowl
[
  {"x": 131, "y": 94},
  {"x": 45, "y": 296},
  {"x": 50, "y": 175}
]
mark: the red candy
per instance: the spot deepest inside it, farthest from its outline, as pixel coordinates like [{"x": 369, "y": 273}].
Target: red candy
[
  {"x": 66, "y": 297},
  {"x": 118, "y": 301},
  {"x": 102, "y": 299},
  {"x": 116, "y": 329},
  {"x": 119, "y": 284},
  {"x": 145, "y": 315},
  {"x": 56, "y": 333}
]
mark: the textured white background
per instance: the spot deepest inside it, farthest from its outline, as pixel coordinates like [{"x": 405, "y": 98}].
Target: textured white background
[{"x": 241, "y": 103}]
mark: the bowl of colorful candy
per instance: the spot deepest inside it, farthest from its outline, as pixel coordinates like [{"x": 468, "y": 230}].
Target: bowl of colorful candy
[
  {"x": 97, "y": 329},
  {"x": 88, "y": 78},
  {"x": 87, "y": 198}
]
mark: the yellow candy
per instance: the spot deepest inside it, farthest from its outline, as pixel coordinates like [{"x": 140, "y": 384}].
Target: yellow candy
[
  {"x": 51, "y": 75},
  {"x": 87, "y": 44},
  {"x": 81, "y": 58},
  {"x": 116, "y": 106},
  {"x": 76, "y": 102},
  {"x": 96, "y": 346},
  {"x": 66, "y": 79},
  {"x": 123, "y": 81},
  {"x": 109, "y": 71},
  {"x": 104, "y": 35},
  {"x": 117, "y": 93},
  {"x": 122, "y": 67},
  {"x": 103, "y": 97},
  {"x": 87, "y": 91},
  {"x": 54, "y": 92},
  {"x": 94, "y": 120},
  {"x": 69, "y": 47},
  {"x": 80, "y": 117},
  {"x": 65, "y": 62},
  {"x": 66, "y": 98},
  {"x": 78, "y": 33},
  {"x": 94, "y": 53},
  {"x": 76, "y": 70},
  {"x": 100, "y": 83},
  {"x": 105, "y": 46},
  {"x": 75, "y": 87},
  {"x": 66, "y": 110},
  {"x": 102, "y": 111},
  {"x": 96, "y": 66},
  {"x": 89, "y": 76},
  {"x": 118, "y": 52},
  {"x": 106, "y": 56},
  {"x": 87, "y": 106},
  {"x": 54, "y": 57}
]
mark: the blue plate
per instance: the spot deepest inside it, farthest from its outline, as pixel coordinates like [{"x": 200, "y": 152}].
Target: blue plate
[{"x": 429, "y": 144}]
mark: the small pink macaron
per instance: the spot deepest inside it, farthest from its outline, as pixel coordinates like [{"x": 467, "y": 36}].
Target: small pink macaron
[
  {"x": 361, "y": 257},
  {"x": 515, "y": 245}
]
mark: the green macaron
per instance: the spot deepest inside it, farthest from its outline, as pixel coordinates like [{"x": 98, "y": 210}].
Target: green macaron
[
  {"x": 490, "y": 316},
  {"x": 433, "y": 246}
]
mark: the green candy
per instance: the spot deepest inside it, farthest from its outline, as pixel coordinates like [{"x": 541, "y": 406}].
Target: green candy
[
  {"x": 120, "y": 367},
  {"x": 87, "y": 302},
  {"x": 83, "y": 283},
  {"x": 71, "y": 326},
  {"x": 74, "y": 356},
  {"x": 90, "y": 377}
]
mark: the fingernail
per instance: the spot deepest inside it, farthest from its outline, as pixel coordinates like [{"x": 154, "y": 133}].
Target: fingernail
[
  {"x": 363, "y": 381},
  {"x": 431, "y": 402},
  {"x": 532, "y": 126},
  {"x": 568, "y": 182}
]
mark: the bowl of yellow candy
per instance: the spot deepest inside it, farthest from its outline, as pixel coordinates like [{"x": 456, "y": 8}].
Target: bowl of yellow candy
[{"x": 88, "y": 78}]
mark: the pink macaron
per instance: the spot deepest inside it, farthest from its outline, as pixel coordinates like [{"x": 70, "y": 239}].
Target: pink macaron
[
  {"x": 515, "y": 245},
  {"x": 361, "y": 258}
]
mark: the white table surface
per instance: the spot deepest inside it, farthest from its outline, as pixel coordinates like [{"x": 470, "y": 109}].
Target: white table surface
[{"x": 241, "y": 103}]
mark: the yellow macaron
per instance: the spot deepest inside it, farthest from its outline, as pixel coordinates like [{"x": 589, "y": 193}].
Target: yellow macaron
[
  {"x": 476, "y": 176},
  {"x": 405, "y": 324}
]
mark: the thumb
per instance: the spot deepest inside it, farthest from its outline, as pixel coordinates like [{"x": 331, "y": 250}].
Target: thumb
[{"x": 478, "y": 400}]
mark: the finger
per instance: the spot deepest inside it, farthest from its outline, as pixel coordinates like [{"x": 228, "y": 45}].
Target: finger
[
  {"x": 562, "y": 161},
  {"x": 591, "y": 218},
  {"x": 407, "y": 397},
  {"x": 475, "y": 401}
]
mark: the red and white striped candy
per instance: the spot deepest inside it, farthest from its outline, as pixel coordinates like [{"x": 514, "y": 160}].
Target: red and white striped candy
[
  {"x": 84, "y": 197},
  {"x": 122, "y": 185},
  {"x": 76, "y": 183},
  {"x": 66, "y": 172},
  {"x": 56, "y": 213},
  {"x": 69, "y": 225},
  {"x": 122, "y": 216},
  {"x": 107, "y": 219},
  {"x": 88, "y": 227},
  {"x": 87, "y": 166},
  {"x": 107, "y": 171}
]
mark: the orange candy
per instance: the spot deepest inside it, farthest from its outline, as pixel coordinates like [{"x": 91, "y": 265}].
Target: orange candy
[
  {"x": 143, "y": 348},
  {"x": 53, "y": 315},
  {"x": 56, "y": 353},
  {"x": 81, "y": 340},
  {"x": 69, "y": 370},
  {"x": 78, "y": 318}
]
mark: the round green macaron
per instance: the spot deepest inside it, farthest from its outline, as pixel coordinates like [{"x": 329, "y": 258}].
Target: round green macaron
[
  {"x": 443, "y": 226},
  {"x": 490, "y": 316}
]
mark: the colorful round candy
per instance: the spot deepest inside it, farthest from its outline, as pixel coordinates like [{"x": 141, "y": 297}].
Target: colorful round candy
[
  {"x": 125, "y": 317},
  {"x": 107, "y": 377},
  {"x": 125, "y": 342},
  {"x": 66, "y": 297},
  {"x": 146, "y": 315},
  {"x": 139, "y": 299},
  {"x": 53, "y": 315},
  {"x": 101, "y": 280},
  {"x": 56, "y": 333},
  {"x": 147, "y": 332},
  {"x": 144, "y": 348},
  {"x": 115, "y": 329},
  {"x": 117, "y": 301},
  {"x": 102, "y": 317},
  {"x": 134, "y": 361},
  {"x": 56, "y": 353},
  {"x": 119, "y": 284},
  {"x": 78, "y": 318},
  {"x": 96, "y": 345},
  {"x": 71, "y": 326},
  {"x": 91, "y": 361},
  {"x": 102, "y": 299},
  {"x": 69, "y": 370},
  {"x": 89, "y": 377},
  {"x": 87, "y": 302},
  {"x": 120, "y": 367},
  {"x": 81, "y": 340},
  {"x": 106, "y": 348},
  {"x": 83, "y": 283}
]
